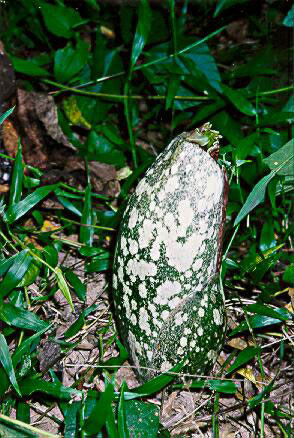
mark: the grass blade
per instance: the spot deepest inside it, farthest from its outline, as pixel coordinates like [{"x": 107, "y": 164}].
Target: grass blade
[
  {"x": 86, "y": 230},
  {"x": 243, "y": 357},
  {"x": 239, "y": 101},
  {"x": 122, "y": 424},
  {"x": 80, "y": 288},
  {"x": 256, "y": 321},
  {"x": 103, "y": 406},
  {"x": 159, "y": 382},
  {"x": 15, "y": 273},
  {"x": 6, "y": 114},
  {"x": 224, "y": 4},
  {"x": 62, "y": 284},
  {"x": 17, "y": 210},
  {"x": 142, "y": 31},
  {"x": 30, "y": 385},
  {"x": 255, "y": 197},
  {"x": 225, "y": 386},
  {"x": 78, "y": 324},
  {"x": 17, "y": 177},
  {"x": 6, "y": 362}
]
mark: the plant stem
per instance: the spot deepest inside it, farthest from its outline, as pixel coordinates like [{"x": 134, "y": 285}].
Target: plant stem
[{"x": 118, "y": 96}]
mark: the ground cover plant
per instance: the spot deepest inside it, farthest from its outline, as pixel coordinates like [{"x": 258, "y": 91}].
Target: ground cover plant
[{"x": 91, "y": 92}]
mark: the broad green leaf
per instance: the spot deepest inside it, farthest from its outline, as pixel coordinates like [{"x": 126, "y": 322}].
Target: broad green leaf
[
  {"x": 256, "y": 321},
  {"x": 272, "y": 192},
  {"x": 62, "y": 284},
  {"x": 88, "y": 251},
  {"x": 289, "y": 19},
  {"x": 225, "y": 4},
  {"x": 86, "y": 229},
  {"x": 60, "y": 20},
  {"x": 163, "y": 59},
  {"x": 257, "y": 194},
  {"x": 31, "y": 273},
  {"x": 103, "y": 406},
  {"x": 281, "y": 156},
  {"x": 142, "y": 31},
  {"x": 264, "y": 266},
  {"x": 288, "y": 275},
  {"x": 17, "y": 356},
  {"x": 200, "y": 59},
  {"x": 172, "y": 89},
  {"x": 112, "y": 133},
  {"x": 11, "y": 428},
  {"x": 23, "y": 412},
  {"x": 17, "y": 177},
  {"x": 276, "y": 117},
  {"x": 6, "y": 362},
  {"x": 126, "y": 15},
  {"x": 123, "y": 429},
  {"x": 267, "y": 236},
  {"x": 249, "y": 263},
  {"x": 15, "y": 273},
  {"x": 93, "y": 4},
  {"x": 71, "y": 206},
  {"x": 51, "y": 255},
  {"x": 159, "y": 382},
  {"x": 100, "y": 149},
  {"x": 262, "y": 309},
  {"x": 69, "y": 61},
  {"x": 243, "y": 357},
  {"x": 110, "y": 425},
  {"x": 255, "y": 197},
  {"x": 30, "y": 385},
  {"x": 239, "y": 101},
  {"x": 261, "y": 63},
  {"x": 79, "y": 287},
  {"x": 142, "y": 418},
  {"x": 222, "y": 386},
  {"x": 70, "y": 412},
  {"x": 227, "y": 126},
  {"x": 28, "y": 67},
  {"x": 288, "y": 107},
  {"x": 98, "y": 265},
  {"x": 17, "y": 210},
  {"x": 18, "y": 317},
  {"x": 257, "y": 265},
  {"x": 207, "y": 110},
  {"x": 6, "y": 114},
  {"x": 25, "y": 346},
  {"x": 6, "y": 263}
]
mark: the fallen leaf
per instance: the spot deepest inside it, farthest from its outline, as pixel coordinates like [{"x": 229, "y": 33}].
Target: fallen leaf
[{"x": 48, "y": 226}]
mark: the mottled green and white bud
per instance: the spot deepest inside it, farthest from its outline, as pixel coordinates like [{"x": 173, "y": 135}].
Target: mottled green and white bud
[{"x": 166, "y": 291}]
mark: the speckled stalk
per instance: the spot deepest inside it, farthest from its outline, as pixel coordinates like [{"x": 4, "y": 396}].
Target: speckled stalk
[{"x": 166, "y": 289}]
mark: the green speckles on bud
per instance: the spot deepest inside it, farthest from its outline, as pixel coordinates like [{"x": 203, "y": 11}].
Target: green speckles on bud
[{"x": 168, "y": 301}]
